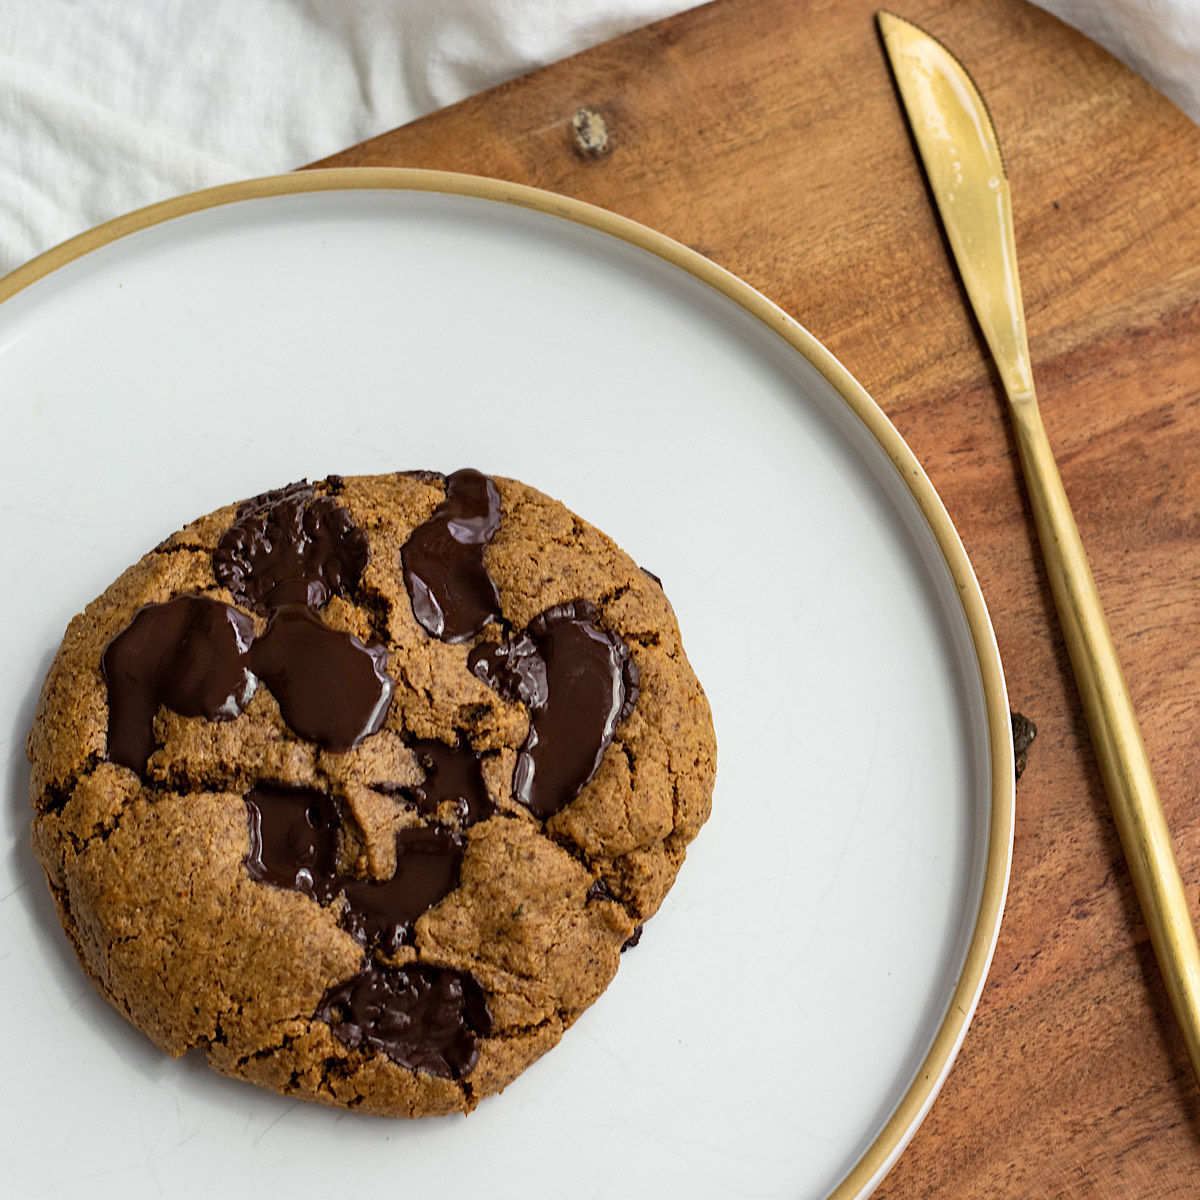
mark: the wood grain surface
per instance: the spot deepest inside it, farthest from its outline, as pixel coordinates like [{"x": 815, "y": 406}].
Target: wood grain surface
[{"x": 767, "y": 134}]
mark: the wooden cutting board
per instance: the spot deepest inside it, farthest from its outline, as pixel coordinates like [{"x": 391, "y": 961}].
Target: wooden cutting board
[{"x": 767, "y": 134}]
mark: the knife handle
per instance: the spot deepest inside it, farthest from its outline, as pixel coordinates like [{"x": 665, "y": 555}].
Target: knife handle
[{"x": 1124, "y": 767}]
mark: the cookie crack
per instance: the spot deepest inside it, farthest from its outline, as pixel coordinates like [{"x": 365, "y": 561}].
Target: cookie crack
[
  {"x": 648, "y": 639},
  {"x": 57, "y": 794},
  {"x": 285, "y": 1043},
  {"x": 99, "y": 833},
  {"x": 612, "y": 596},
  {"x": 471, "y": 715},
  {"x": 417, "y": 689},
  {"x": 580, "y": 856},
  {"x": 676, "y": 803},
  {"x": 168, "y": 547},
  {"x": 378, "y": 607},
  {"x": 630, "y": 758}
]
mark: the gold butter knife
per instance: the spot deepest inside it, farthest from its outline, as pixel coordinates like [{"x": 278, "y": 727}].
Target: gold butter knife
[{"x": 958, "y": 147}]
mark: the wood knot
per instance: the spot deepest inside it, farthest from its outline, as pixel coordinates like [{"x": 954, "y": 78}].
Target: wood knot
[
  {"x": 591, "y": 132},
  {"x": 1024, "y": 731}
]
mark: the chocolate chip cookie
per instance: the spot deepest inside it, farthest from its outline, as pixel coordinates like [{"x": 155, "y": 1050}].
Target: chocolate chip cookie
[{"x": 362, "y": 786}]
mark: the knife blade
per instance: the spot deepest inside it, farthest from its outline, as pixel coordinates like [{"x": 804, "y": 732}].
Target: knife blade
[{"x": 960, "y": 152}]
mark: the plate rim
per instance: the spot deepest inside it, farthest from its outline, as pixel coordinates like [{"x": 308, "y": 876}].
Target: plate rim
[{"x": 887, "y": 1145}]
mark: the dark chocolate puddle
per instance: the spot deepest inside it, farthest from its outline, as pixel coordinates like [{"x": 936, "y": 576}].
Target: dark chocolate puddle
[
  {"x": 290, "y": 546},
  {"x": 578, "y": 682},
  {"x": 425, "y": 1018},
  {"x": 199, "y": 657},
  {"x": 452, "y": 594},
  {"x": 332, "y": 688},
  {"x": 188, "y": 654}
]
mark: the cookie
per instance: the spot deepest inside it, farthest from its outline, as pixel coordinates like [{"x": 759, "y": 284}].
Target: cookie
[{"x": 363, "y": 786}]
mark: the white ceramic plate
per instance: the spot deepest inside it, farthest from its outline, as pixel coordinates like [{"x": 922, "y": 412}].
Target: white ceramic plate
[{"x": 793, "y": 1009}]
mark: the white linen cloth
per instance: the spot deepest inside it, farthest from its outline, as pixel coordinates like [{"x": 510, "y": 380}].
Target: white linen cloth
[{"x": 108, "y": 105}]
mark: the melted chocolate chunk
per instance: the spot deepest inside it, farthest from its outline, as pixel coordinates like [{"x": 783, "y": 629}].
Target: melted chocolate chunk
[
  {"x": 294, "y": 835},
  {"x": 383, "y": 912},
  {"x": 290, "y": 547},
  {"x": 600, "y": 891},
  {"x": 453, "y": 596},
  {"x": 186, "y": 654},
  {"x": 293, "y": 839},
  {"x": 451, "y": 773},
  {"x": 424, "y": 1018},
  {"x": 515, "y": 668},
  {"x": 586, "y": 685},
  {"x": 331, "y": 687}
]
